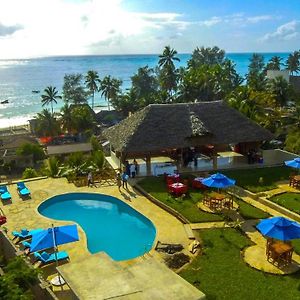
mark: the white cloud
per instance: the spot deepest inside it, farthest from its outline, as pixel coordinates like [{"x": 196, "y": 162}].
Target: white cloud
[
  {"x": 287, "y": 31},
  {"x": 211, "y": 22},
  {"x": 60, "y": 27},
  {"x": 236, "y": 19}
]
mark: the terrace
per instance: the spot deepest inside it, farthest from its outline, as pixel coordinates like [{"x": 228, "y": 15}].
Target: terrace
[{"x": 220, "y": 268}]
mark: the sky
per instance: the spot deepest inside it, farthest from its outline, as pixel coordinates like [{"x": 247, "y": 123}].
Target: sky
[{"x": 37, "y": 28}]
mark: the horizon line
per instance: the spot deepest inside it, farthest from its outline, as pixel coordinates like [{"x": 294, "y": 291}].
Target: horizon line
[{"x": 134, "y": 54}]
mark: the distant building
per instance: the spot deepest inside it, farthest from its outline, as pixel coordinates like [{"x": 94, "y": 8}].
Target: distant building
[{"x": 272, "y": 74}]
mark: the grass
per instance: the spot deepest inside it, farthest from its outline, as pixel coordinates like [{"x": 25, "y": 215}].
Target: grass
[
  {"x": 248, "y": 211},
  {"x": 250, "y": 178},
  {"x": 221, "y": 273},
  {"x": 290, "y": 201},
  {"x": 187, "y": 206}
]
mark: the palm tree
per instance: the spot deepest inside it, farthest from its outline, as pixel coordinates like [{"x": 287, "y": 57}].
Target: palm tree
[
  {"x": 66, "y": 117},
  {"x": 110, "y": 88},
  {"x": 47, "y": 125},
  {"x": 91, "y": 81},
  {"x": 281, "y": 89},
  {"x": 274, "y": 63},
  {"x": 293, "y": 63},
  {"x": 167, "y": 58},
  {"x": 50, "y": 96}
]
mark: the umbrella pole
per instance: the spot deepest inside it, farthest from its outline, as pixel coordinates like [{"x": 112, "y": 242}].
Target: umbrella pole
[{"x": 55, "y": 251}]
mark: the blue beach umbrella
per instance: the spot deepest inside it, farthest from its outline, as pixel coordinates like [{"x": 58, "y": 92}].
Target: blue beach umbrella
[
  {"x": 54, "y": 236},
  {"x": 218, "y": 180},
  {"x": 279, "y": 228},
  {"x": 294, "y": 163}
]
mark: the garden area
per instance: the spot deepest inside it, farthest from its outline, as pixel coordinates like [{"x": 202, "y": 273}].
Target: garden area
[
  {"x": 259, "y": 179},
  {"x": 290, "y": 201},
  {"x": 187, "y": 206},
  {"x": 221, "y": 273}
]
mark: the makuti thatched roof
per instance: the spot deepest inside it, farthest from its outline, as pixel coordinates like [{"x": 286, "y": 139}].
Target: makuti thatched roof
[{"x": 167, "y": 126}]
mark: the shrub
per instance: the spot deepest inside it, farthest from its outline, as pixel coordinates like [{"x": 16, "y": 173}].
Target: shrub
[
  {"x": 29, "y": 173},
  {"x": 31, "y": 149}
]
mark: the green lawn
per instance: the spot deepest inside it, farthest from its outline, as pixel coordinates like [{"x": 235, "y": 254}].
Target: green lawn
[
  {"x": 188, "y": 205},
  {"x": 248, "y": 211},
  {"x": 156, "y": 187},
  {"x": 290, "y": 201},
  {"x": 250, "y": 178},
  {"x": 222, "y": 274}
]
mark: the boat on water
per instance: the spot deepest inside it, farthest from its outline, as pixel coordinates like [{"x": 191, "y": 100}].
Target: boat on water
[
  {"x": 35, "y": 91},
  {"x": 4, "y": 101}
]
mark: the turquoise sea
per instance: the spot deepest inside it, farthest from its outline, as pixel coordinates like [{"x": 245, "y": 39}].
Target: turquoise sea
[{"x": 18, "y": 78}]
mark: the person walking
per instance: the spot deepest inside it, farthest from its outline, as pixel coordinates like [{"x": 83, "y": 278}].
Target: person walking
[
  {"x": 119, "y": 180},
  {"x": 132, "y": 170},
  {"x": 125, "y": 180},
  {"x": 136, "y": 165}
]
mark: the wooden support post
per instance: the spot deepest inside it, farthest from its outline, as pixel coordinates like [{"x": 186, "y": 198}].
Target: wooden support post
[
  {"x": 215, "y": 161},
  {"x": 148, "y": 165}
]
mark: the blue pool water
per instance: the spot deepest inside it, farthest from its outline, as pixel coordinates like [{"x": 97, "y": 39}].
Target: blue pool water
[{"x": 110, "y": 224}]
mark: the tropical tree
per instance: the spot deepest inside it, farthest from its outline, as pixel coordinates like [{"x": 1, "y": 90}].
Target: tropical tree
[
  {"x": 256, "y": 76},
  {"x": 274, "y": 63},
  {"x": 206, "y": 56},
  {"x": 66, "y": 117},
  {"x": 144, "y": 82},
  {"x": 46, "y": 124},
  {"x": 73, "y": 90},
  {"x": 110, "y": 88},
  {"x": 92, "y": 80},
  {"x": 50, "y": 96},
  {"x": 51, "y": 166},
  {"x": 82, "y": 118},
  {"x": 282, "y": 90},
  {"x": 167, "y": 58},
  {"x": 293, "y": 63}
]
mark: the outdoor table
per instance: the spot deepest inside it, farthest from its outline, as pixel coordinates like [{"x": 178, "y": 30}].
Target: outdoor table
[
  {"x": 215, "y": 200},
  {"x": 178, "y": 188},
  {"x": 175, "y": 177},
  {"x": 197, "y": 183},
  {"x": 279, "y": 251},
  {"x": 296, "y": 181}
]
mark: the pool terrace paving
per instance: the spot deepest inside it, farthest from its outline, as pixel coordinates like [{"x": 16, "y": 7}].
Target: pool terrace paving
[{"x": 23, "y": 214}]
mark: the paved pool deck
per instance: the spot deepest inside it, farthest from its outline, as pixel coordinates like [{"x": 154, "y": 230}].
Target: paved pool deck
[{"x": 24, "y": 214}]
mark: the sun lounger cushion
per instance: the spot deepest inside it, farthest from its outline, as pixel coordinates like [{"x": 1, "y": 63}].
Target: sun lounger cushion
[
  {"x": 24, "y": 233},
  {"x": 23, "y": 190},
  {"x": 5, "y": 195},
  {"x": 26, "y": 244},
  {"x": 46, "y": 258}
]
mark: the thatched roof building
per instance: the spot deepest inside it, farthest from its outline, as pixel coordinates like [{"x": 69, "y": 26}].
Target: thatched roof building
[{"x": 160, "y": 127}]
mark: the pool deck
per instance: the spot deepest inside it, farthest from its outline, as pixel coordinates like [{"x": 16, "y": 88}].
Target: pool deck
[{"x": 23, "y": 214}]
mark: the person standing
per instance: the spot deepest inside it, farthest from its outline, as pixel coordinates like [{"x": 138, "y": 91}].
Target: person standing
[
  {"x": 125, "y": 180},
  {"x": 132, "y": 170},
  {"x": 119, "y": 180},
  {"x": 90, "y": 179},
  {"x": 136, "y": 165}
]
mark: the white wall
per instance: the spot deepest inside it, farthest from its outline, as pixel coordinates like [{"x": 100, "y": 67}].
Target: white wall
[{"x": 271, "y": 74}]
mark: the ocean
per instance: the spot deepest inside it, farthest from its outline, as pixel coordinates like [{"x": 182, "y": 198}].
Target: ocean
[{"x": 19, "y": 77}]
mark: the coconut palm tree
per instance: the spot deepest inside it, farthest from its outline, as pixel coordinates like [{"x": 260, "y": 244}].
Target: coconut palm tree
[
  {"x": 47, "y": 125},
  {"x": 281, "y": 89},
  {"x": 293, "y": 63},
  {"x": 92, "y": 80},
  {"x": 50, "y": 96},
  {"x": 167, "y": 58},
  {"x": 274, "y": 63},
  {"x": 110, "y": 88},
  {"x": 66, "y": 117}
]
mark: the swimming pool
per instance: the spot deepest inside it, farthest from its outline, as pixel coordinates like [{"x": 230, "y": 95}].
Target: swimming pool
[{"x": 110, "y": 224}]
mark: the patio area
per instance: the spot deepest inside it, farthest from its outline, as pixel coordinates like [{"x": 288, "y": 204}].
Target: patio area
[{"x": 23, "y": 214}]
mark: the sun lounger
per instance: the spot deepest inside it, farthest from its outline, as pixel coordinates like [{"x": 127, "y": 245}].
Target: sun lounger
[
  {"x": 24, "y": 233},
  {"x": 5, "y": 195},
  {"x": 168, "y": 248},
  {"x": 22, "y": 189},
  {"x": 194, "y": 246},
  {"x": 47, "y": 258}
]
